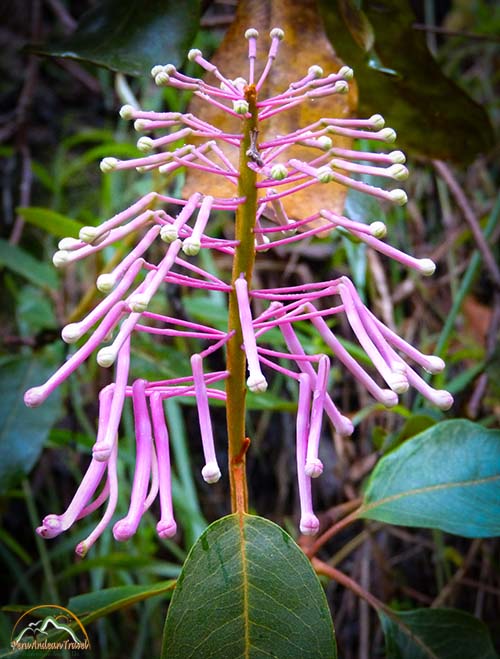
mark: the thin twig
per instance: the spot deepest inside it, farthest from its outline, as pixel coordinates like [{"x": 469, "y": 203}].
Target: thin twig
[
  {"x": 454, "y": 33},
  {"x": 470, "y": 217}
]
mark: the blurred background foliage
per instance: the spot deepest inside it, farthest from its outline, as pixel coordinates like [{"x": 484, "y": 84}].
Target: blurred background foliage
[{"x": 432, "y": 68}]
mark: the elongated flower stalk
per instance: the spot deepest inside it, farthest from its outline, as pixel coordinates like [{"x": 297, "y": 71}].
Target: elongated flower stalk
[{"x": 265, "y": 174}]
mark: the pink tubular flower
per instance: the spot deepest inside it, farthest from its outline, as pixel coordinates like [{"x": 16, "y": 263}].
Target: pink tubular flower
[{"x": 187, "y": 230}]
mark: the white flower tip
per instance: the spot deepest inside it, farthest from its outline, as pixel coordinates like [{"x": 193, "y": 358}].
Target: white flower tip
[
  {"x": 315, "y": 71},
  {"x": 71, "y": 333},
  {"x": 313, "y": 468},
  {"x": 346, "y": 72},
  {"x": 324, "y": 174},
  {"x": 398, "y": 196},
  {"x": 170, "y": 69},
  {"x": 157, "y": 68},
  {"x": 277, "y": 33},
  {"x": 341, "y": 87},
  {"x": 51, "y": 527},
  {"x": 105, "y": 282},
  {"x": 388, "y": 398},
  {"x": 377, "y": 121},
  {"x": 88, "y": 234},
  {"x": 191, "y": 247},
  {"x": 211, "y": 472},
  {"x": 34, "y": 397},
  {"x": 145, "y": 144},
  {"x": 101, "y": 451},
  {"x": 168, "y": 233},
  {"x": 60, "y": 258},
  {"x": 240, "y": 106},
  {"x": 442, "y": 398},
  {"x": 309, "y": 524},
  {"x": 68, "y": 243},
  {"x": 427, "y": 267},
  {"x": 127, "y": 111},
  {"x": 251, "y": 33},
  {"x": 139, "y": 124},
  {"x": 123, "y": 530},
  {"x": 82, "y": 549},
  {"x": 378, "y": 229},
  {"x": 257, "y": 383},
  {"x": 264, "y": 243},
  {"x": 279, "y": 172},
  {"x": 162, "y": 78},
  {"x": 398, "y": 382},
  {"x": 139, "y": 302},
  {"x": 434, "y": 364},
  {"x": 324, "y": 143},
  {"x": 166, "y": 529},
  {"x": 108, "y": 164},
  {"x": 398, "y": 172},
  {"x": 106, "y": 356},
  {"x": 345, "y": 427},
  {"x": 397, "y": 157},
  {"x": 193, "y": 54},
  {"x": 389, "y": 135}
]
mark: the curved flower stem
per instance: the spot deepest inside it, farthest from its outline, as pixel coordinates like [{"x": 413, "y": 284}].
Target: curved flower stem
[{"x": 243, "y": 263}]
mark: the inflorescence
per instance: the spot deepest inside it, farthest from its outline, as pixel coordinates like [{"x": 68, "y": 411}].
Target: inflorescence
[{"x": 129, "y": 288}]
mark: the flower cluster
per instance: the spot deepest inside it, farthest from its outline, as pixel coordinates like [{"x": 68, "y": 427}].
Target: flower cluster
[{"x": 129, "y": 288}]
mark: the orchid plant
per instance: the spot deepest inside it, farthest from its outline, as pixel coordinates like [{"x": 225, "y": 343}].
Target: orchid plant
[{"x": 265, "y": 174}]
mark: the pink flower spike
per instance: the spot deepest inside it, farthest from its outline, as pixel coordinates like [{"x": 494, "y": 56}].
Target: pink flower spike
[
  {"x": 84, "y": 546},
  {"x": 276, "y": 35},
  {"x": 256, "y": 381},
  {"x": 36, "y": 395},
  {"x": 53, "y": 525},
  {"x": 210, "y": 472},
  {"x": 126, "y": 527},
  {"x": 102, "y": 448},
  {"x": 314, "y": 466},
  {"x": 309, "y": 523},
  {"x": 166, "y": 527},
  {"x": 251, "y": 35},
  {"x": 191, "y": 246}
]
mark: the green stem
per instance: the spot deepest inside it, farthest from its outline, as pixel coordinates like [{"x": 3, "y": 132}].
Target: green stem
[{"x": 243, "y": 263}]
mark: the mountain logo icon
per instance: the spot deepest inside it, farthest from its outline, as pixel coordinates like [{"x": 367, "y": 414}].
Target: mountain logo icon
[{"x": 49, "y": 627}]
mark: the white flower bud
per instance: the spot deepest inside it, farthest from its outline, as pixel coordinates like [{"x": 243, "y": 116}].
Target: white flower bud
[
  {"x": 434, "y": 364},
  {"x": 193, "y": 54},
  {"x": 398, "y": 172},
  {"x": 60, "y": 258},
  {"x": 313, "y": 468},
  {"x": 398, "y": 197},
  {"x": 68, "y": 243},
  {"x": 324, "y": 174},
  {"x": 139, "y": 124},
  {"x": 427, "y": 267},
  {"x": 105, "y": 282},
  {"x": 251, "y": 33},
  {"x": 277, "y": 33},
  {"x": 145, "y": 144},
  {"x": 139, "y": 302},
  {"x": 158, "y": 68},
  {"x": 315, "y": 71},
  {"x": 341, "y": 87},
  {"x": 389, "y": 135},
  {"x": 106, "y": 356},
  {"x": 346, "y": 72},
  {"x": 443, "y": 399},
  {"x": 191, "y": 247},
  {"x": 257, "y": 383},
  {"x": 279, "y": 172},
  {"x": 211, "y": 472},
  {"x": 240, "y": 106},
  {"x": 324, "y": 143},
  {"x": 397, "y": 157},
  {"x": 127, "y": 111},
  {"x": 397, "y": 382},
  {"x": 71, "y": 333},
  {"x": 108, "y": 164},
  {"x": 378, "y": 229},
  {"x": 88, "y": 234},
  {"x": 168, "y": 233}
]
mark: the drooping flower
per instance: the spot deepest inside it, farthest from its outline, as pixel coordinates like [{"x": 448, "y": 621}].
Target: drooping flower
[{"x": 129, "y": 288}]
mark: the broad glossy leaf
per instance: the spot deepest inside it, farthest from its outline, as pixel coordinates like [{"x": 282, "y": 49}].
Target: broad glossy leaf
[
  {"x": 435, "y": 634},
  {"x": 54, "y": 223},
  {"x": 23, "y": 431},
  {"x": 22, "y": 263},
  {"x": 247, "y": 590},
  {"x": 447, "y": 477},
  {"x": 131, "y": 36},
  {"x": 91, "y": 606},
  {"x": 401, "y": 80},
  {"x": 305, "y": 44}
]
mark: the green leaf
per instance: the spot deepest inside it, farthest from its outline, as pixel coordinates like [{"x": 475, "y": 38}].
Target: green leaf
[
  {"x": 247, "y": 590},
  {"x": 22, "y": 263},
  {"x": 103, "y": 602},
  {"x": 447, "y": 477},
  {"x": 132, "y": 36},
  {"x": 23, "y": 431},
  {"x": 50, "y": 221},
  {"x": 435, "y": 634},
  {"x": 400, "y": 79}
]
